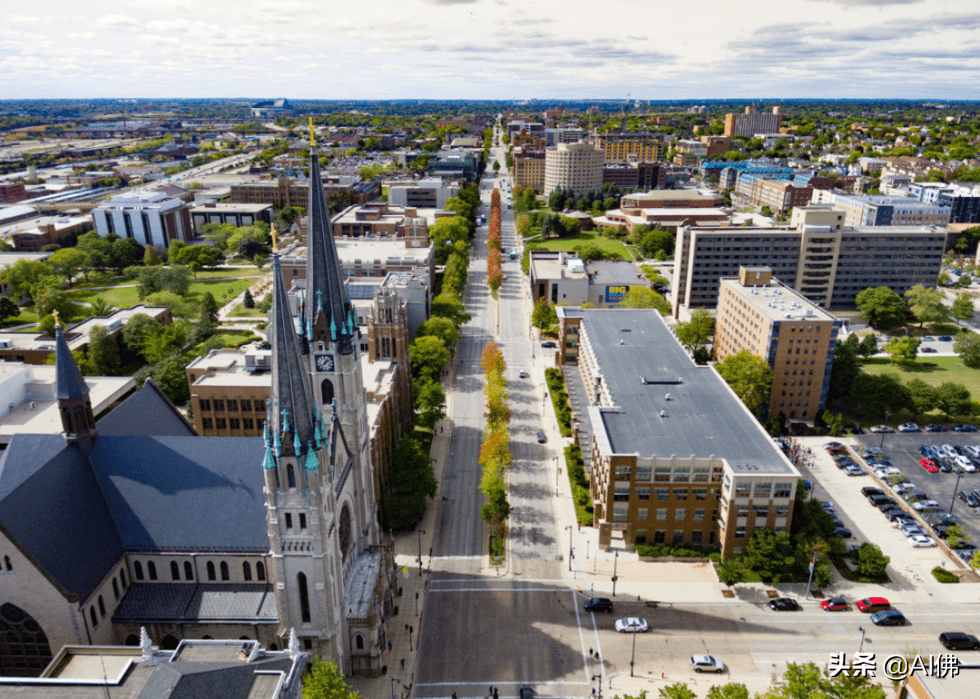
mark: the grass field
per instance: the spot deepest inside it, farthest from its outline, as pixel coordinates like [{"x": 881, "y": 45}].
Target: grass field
[
  {"x": 585, "y": 238},
  {"x": 98, "y": 279},
  {"x": 934, "y": 371},
  {"x": 125, "y": 296}
]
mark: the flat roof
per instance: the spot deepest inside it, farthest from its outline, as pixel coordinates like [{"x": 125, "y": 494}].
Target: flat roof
[
  {"x": 78, "y": 334},
  {"x": 671, "y": 195},
  {"x": 603, "y": 272},
  {"x": 371, "y": 249},
  {"x": 254, "y": 208},
  {"x": 703, "y": 417},
  {"x": 10, "y": 258},
  {"x": 778, "y": 306}
]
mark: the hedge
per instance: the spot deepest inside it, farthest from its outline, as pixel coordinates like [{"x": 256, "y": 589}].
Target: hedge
[
  {"x": 676, "y": 550},
  {"x": 580, "y": 484},
  {"x": 559, "y": 398},
  {"x": 943, "y": 575}
]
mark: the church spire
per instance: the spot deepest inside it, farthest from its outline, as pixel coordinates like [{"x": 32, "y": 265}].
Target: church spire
[
  {"x": 292, "y": 409},
  {"x": 70, "y": 381},
  {"x": 327, "y": 311},
  {"x": 74, "y": 405}
]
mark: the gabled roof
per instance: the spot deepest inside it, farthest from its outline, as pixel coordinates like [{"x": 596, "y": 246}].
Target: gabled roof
[
  {"x": 53, "y": 508},
  {"x": 70, "y": 381},
  {"x": 189, "y": 680},
  {"x": 146, "y": 410}
]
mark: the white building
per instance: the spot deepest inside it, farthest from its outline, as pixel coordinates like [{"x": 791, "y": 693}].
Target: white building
[
  {"x": 573, "y": 166},
  {"x": 429, "y": 193},
  {"x": 149, "y": 218}
]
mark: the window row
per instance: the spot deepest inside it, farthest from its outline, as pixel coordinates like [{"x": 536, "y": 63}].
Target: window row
[
  {"x": 220, "y": 405},
  {"x": 118, "y": 584},
  {"x": 232, "y": 423},
  {"x": 188, "y": 572}
]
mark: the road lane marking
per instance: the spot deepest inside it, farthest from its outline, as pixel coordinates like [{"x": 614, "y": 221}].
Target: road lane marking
[
  {"x": 496, "y": 682},
  {"x": 581, "y": 636},
  {"x": 497, "y": 589}
]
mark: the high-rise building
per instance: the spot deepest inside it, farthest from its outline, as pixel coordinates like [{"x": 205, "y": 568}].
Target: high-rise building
[
  {"x": 796, "y": 337},
  {"x": 575, "y": 167},
  {"x": 149, "y": 218},
  {"x": 528, "y": 168},
  {"x": 625, "y": 147},
  {"x": 753, "y": 122}
]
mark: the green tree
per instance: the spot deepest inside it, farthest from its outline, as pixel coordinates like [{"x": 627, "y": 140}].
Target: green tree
[
  {"x": 428, "y": 356},
  {"x": 544, "y": 314},
  {"x": 869, "y": 346},
  {"x": 732, "y": 572},
  {"x": 137, "y": 330},
  {"x": 962, "y": 308},
  {"x": 443, "y": 328},
  {"x": 881, "y": 306},
  {"x": 248, "y": 301},
  {"x": 152, "y": 256},
  {"x": 957, "y": 536},
  {"x": 25, "y": 275},
  {"x": 903, "y": 349},
  {"x": 873, "y": 395},
  {"x": 410, "y": 483},
  {"x": 496, "y": 166},
  {"x": 678, "y": 690},
  {"x": 808, "y": 682},
  {"x": 927, "y": 304},
  {"x": 769, "y": 554},
  {"x": 8, "y": 309},
  {"x": 103, "y": 352},
  {"x": 641, "y": 297},
  {"x": 429, "y": 401},
  {"x": 872, "y": 561},
  {"x": 750, "y": 378},
  {"x": 450, "y": 307},
  {"x": 766, "y": 210},
  {"x": 150, "y": 280},
  {"x": 655, "y": 241},
  {"x": 844, "y": 369},
  {"x": 923, "y": 396},
  {"x": 952, "y": 399},
  {"x": 697, "y": 333},
  {"x": 56, "y": 299},
  {"x": 209, "y": 308},
  {"x": 325, "y": 681},
  {"x": 69, "y": 263},
  {"x": 967, "y": 345},
  {"x": 170, "y": 375},
  {"x": 732, "y": 690}
]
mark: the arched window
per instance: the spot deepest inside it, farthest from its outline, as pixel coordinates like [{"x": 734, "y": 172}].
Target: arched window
[
  {"x": 246, "y": 571},
  {"x": 344, "y": 532},
  {"x": 151, "y": 570},
  {"x": 326, "y": 389},
  {"x": 359, "y": 641},
  {"x": 101, "y": 607},
  {"x": 224, "y": 571},
  {"x": 260, "y": 571},
  {"x": 174, "y": 570},
  {"x": 290, "y": 476},
  {"x": 205, "y": 638},
  {"x": 138, "y": 570},
  {"x": 95, "y": 619},
  {"x": 24, "y": 649},
  {"x": 115, "y": 588},
  {"x": 6, "y": 564},
  {"x": 169, "y": 643},
  {"x": 304, "y": 598},
  {"x": 210, "y": 571},
  {"x": 188, "y": 571},
  {"x": 132, "y": 640},
  {"x": 122, "y": 577}
]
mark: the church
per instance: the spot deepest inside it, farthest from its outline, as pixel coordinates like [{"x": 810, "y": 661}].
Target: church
[{"x": 136, "y": 521}]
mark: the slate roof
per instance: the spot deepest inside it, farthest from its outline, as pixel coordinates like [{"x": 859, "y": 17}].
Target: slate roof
[
  {"x": 176, "y": 602},
  {"x": 147, "y": 406},
  {"x": 188, "y": 680}
]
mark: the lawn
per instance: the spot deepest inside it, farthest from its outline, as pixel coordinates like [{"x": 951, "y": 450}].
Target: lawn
[
  {"x": 934, "y": 371},
  {"x": 241, "y": 312},
  {"x": 98, "y": 279},
  {"x": 125, "y": 296},
  {"x": 585, "y": 238}
]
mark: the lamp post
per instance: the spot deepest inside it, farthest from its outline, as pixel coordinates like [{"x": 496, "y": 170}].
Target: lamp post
[
  {"x": 556, "y": 476},
  {"x": 598, "y": 677},
  {"x": 569, "y": 528},
  {"x": 887, "y": 415},
  {"x": 861, "y": 629},
  {"x": 955, "y": 490},
  {"x": 615, "y": 565},
  {"x": 633, "y": 654},
  {"x": 393, "y": 680},
  {"x": 421, "y": 532}
]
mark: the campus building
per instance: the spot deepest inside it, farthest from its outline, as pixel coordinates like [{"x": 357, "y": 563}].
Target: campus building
[
  {"x": 562, "y": 278},
  {"x": 528, "y": 168},
  {"x": 752, "y": 122},
  {"x": 795, "y": 336},
  {"x": 626, "y": 147},
  {"x": 149, "y": 218},
  {"x": 575, "y": 167},
  {"x": 875, "y": 210},
  {"x": 675, "y": 456}
]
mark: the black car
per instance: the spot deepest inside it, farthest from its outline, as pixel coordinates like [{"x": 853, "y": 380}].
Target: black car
[
  {"x": 878, "y": 499},
  {"x": 526, "y": 692},
  {"x": 945, "y": 338},
  {"x": 956, "y": 640},
  {"x": 549, "y": 344},
  {"x": 856, "y": 429},
  {"x": 869, "y": 491},
  {"x": 964, "y": 428},
  {"x": 541, "y": 438},
  {"x": 784, "y": 604},
  {"x": 599, "y": 604},
  {"x": 934, "y": 428},
  {"x": 842, "y": 532}
]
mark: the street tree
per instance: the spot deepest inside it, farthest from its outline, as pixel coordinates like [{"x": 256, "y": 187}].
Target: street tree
[
  {"x": 881, "y": 306},
  {"x": 903, "y": 349},
  {"x": 769, "y": 553},
  {"x": 872, "y": 561},
  {"x": 443, "y": 328},
  {"x": 952, "y": 399},
  {"x": 927, "y": 304},
  {"x": 807, "y": 682},
  {"x": 967, "y": 345},
  {"x": 732, "y": 572},
  {"x": 429, "y": 401},
  {"x": 678, "y": 690},
  {"x": 957, "y": 536},
  {"x": 412, "y": 481},
  {"x": 697, "y": 333},
  {"x": 750, "y": 378},
  {"x": 325, "y": 681},
  {"x": 428, "y": 355},
  {"x": 544, "y": 314},
  {"x": 962, "y": 308},
  {"x": 732, "y": 690}
]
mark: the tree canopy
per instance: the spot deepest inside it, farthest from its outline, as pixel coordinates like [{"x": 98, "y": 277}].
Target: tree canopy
[
  {"x": 881, "y": 306},
  {"x": 749, "y": 376}
]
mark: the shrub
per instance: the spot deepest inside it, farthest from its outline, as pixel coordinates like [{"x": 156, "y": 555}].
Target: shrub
[
  {"x": 943, "y": 575},
  {"x": 676, "y": 550}
]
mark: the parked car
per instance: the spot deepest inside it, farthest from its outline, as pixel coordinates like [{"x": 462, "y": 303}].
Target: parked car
[
  {"x": 927, "y": 451},
  {"x": 945, "y": 338},
  {"x": 964, "y": 428},
  {"x": 969, "y": 498},
  {"x": 526, "y": 692},
  {"x": 872, "y": 604},
  {"x": 928, "y": 350},
  {"x": 842, "y": 532},
  {"x": 549, "y": 344},
  {"x": 599, "y": 604},
  {"x": 868, "y": 491},
  {"x": 632, "y": 624},
  {"x": 928, "y": 465},
  {"x": 909, "y": 427},
  {"x": 934, "y": 428},
  {"x": 541, "y": 438},
  {"x": 834, "y": 604},
  {"x": 878, "y": 429},
  {"x": 921, "y": 541},
  {"x": 707, "y": 663},
  {"x": 523, "y": 374},
  {"x": 784, "y": 604},
  {"x": 854, "y": 470},
  {"x": 827, "y": 505},
  {"x": 888, "y": 617},
  {"x": 957, "y": 640}
]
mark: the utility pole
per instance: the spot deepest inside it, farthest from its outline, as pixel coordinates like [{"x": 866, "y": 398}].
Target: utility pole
[
  {"x": 569, "y": 528},
  {"x": 615, "y": 566},
  {"x": 813, "y": 565},
  {"x": 421, "y": 532}
]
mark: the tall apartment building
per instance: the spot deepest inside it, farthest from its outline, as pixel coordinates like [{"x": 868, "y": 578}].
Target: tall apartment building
[
  {"x": 528, "y": 168},
  {"x": 796, "y": 337},
  {"x": 565, "y": 134},
  {"x": 575, "y": 167},
  {"x": 778, "y": 194},
  {"x": 149, "y": 218},
  {"x": 716, "y": 145},
  {"x": 625, "y": 147},
  {"x": 753, "y": 122},
  {"x": 642, "y": 176},
  {"x": 963, "y": 200},
  {"x": 675, "y": 456},
  {"x": 826, "y": 262},
  {"x": 874, "y": 210}
]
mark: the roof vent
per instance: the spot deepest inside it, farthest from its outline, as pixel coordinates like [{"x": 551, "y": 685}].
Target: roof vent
[
  {"x": 666, "y": 396},
  {"x": 622, "y": 342}
]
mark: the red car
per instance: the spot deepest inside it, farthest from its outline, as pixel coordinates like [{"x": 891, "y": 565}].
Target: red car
[
  {"x": 834, "y": 604},
  {"x": 928, "y": 465},
  {"x": 872, "y": 604}
]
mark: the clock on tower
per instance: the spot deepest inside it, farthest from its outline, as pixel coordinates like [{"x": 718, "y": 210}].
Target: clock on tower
[{"x": 324, "y": 362}]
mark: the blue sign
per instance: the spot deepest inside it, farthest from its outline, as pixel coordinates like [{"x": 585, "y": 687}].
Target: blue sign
[{"x": 615, "y": 294}]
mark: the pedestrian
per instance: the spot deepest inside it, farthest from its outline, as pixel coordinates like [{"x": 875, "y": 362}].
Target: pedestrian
[
  {"x": 590, "y": 652},
  {"x": 403, "y": 663}
]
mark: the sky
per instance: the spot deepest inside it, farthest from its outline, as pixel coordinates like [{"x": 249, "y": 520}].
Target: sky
[{"x": 491, "y": 49}]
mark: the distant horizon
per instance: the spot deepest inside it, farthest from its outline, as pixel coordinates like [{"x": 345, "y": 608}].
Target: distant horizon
[{"x": 775, "y": 101}]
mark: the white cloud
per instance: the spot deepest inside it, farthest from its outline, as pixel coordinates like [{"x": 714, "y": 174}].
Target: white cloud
[
  {"x": 157, "y": 40},
  {"x": 114, "y": 22}
]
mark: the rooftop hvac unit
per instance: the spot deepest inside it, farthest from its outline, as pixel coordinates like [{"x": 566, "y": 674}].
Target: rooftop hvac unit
[{"x": 6, "y": 344}]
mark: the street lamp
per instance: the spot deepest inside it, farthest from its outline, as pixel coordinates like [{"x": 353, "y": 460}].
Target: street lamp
[
  {"x": 861, "y": 629},
  {"x": 636, "y": 627},
  {"x": 393, "y": 680},
  {"x": 569, "y": 528},
  {"x": 615, "y": 565},
  {"x": 421, "y": 532},
  {"x": 598, "y": 677},
  {"x": 887, "y": 415},
  {"x": 955, "y": 490}
]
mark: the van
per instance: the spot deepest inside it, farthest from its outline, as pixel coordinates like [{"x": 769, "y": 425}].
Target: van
[
  {"x": 873, "y": 604},
  {"x": 956, "y": 640}
]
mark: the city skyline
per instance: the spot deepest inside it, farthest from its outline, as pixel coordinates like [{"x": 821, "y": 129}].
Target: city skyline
[{"x": 492, "y": 49}]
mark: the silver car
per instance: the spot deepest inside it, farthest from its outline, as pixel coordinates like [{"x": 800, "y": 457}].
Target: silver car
[
  {"x": 632, "y": 624},
  {"x": 707, "y": 663}
]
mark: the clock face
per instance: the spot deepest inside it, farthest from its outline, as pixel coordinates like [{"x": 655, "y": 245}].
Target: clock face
[{"x": 324, "y": 362}]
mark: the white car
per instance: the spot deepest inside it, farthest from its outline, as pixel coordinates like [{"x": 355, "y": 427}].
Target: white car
[
  {"x": 902, "y": 487},
  {"x": 854, "y": 470},
  {"x": 632, "y": 624},
  {"x": 925, "y": 505},
  {"x": 885, "y": 471},
  {"x": 920, "y": 541},
  {"x": 909, "y": 427},
  {"x": 707, "y": 663}
]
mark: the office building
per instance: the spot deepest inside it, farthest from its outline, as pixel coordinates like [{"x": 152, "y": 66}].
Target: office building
[
  {"x": 676, "y": 457},
  {"x": 574, "y": 167},
  {"x": 629, "y": 176},
  {"x": 815, "y": 255},
  {"x": 528, "y": 168},
  {"x": 562, "y": 278},
  {"x": 565, "y": 134},
  {"x": 230, "y": 214},
  {"x": 780, "y": 195},
  {"x": 367, "y": 257},
  {"x": 148, "y": 217},
  {"x": 795, "y": 336},
  {"x": 630, "y": 147},
  {"x": 671, "y": 199},
  {"x": 12, "y": 192},
  {"x": 453, "y": 164},
  {"x": 877, "y": 210},
  {"x": 963, "y": 200},
  {"x": 425, "y": 194},
  {"x": 752, "y": 122}
]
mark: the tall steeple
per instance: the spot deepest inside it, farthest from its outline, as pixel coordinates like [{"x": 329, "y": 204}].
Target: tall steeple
[
  {"x": 292, "y": 411},
  {"x": 74, "y": 404},
  {"x": 327, "y": 312}
]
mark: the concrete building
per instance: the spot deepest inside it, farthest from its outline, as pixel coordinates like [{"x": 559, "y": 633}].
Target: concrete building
[
  {"x": 670, "y": 198},
  {"x": 149, "y": 218},
  {"x": 796, "y": 337},
  {"x": 675, "y": 456},
  {"x": 575, "y": 167},
  {"x": 528, "y": 168},
  {"x": 380, "y": 220},
  {"x": 816, "y": 255},
  {"x": 454, "y": 164},
  {"x": 692, "y": 147},
  {"x": 564, "y": 134},
  {"x": 876, "y": 210},
  {"x": 367, "y": 257},
  {"x": 230, "y": 214},
  {"x": 630, "y": 147},
  {"x": 285, "y": 191},
  {"x": 753, "y": 122},
  {"x": 778, "y": 194},
  {"x": 668, "y": 218},
  {"x": 628, "y": 176},
  {"x": 562, "y": 278},
  {"x": 424, "y": 194},
  {"x": 716, "y": 145},
  {"x": 50, "y": 230},
  {"x": 688, "y": 160},
  {"x": 231, "y": 669},
  {"x": 963, "y": 200}
]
